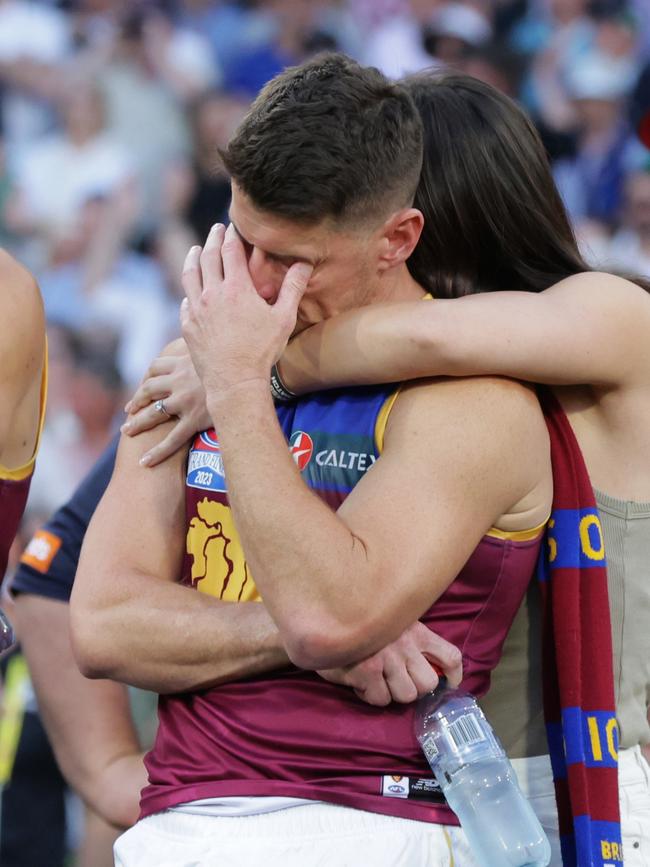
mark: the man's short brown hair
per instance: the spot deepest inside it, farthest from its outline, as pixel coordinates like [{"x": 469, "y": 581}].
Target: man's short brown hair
[{"x": 328, "y": 139}]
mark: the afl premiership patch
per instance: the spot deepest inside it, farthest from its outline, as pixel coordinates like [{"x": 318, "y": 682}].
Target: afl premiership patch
[{"x": 205, "y": 463}]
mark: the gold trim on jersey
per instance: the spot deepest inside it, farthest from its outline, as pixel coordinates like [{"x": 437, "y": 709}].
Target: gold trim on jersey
[
  {"x": 382, "y": 418},
  {"x": 517, "y": 535},
  {"x": 20, "y": 473}
]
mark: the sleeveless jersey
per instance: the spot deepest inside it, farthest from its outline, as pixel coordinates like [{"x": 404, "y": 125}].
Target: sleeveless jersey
[
  {"x": 290, "y": 733},
  {"x": 14, "y": 486}
]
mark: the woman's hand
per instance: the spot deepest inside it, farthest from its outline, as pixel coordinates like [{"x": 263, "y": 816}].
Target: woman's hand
[
  {"x": 171, "y": 378},
  {"x": 404, "y": 670}
]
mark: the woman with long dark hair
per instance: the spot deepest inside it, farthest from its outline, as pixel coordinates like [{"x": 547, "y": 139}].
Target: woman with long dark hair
[{"x": 515, "y": 297}]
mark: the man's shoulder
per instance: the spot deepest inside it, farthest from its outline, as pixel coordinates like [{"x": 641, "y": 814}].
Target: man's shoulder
[
  {"x": 486, "y": 433},
  {"x": 499, "y": 417},
  {"x": 491, "y": 396}
]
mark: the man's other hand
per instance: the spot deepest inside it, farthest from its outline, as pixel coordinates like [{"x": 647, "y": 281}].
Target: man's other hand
[
  {"x": 404, "y": 670},
  {"x": 117, "y": 790}
]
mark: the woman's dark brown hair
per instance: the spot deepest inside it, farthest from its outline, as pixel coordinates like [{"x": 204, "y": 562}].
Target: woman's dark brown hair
[{"x": 494, "y": 219}]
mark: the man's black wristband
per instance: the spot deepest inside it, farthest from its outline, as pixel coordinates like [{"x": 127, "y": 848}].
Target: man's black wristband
[{"x": 278, "y": 388}]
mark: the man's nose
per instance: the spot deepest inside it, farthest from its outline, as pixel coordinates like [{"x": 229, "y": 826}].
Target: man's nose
[{"x": 265, "y": 275}]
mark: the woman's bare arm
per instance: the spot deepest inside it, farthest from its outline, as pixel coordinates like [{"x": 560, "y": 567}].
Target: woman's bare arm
[{"x": 591, "y": 328}]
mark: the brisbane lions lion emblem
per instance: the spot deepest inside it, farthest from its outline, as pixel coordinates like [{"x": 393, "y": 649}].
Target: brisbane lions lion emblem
[{"x": 218, "y": 566}]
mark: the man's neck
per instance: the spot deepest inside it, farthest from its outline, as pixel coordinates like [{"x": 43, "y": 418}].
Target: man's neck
[{"x": 396, "y": 285}]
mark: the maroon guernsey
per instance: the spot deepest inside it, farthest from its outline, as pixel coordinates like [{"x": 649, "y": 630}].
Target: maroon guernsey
[
  {"x": 14, "y": 488},
  {"x": 290, "y": 733}
]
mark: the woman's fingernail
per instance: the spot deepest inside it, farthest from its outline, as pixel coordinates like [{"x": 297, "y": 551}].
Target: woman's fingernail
[
  {"x": 126, "y": 427},
  {"x": 145, "y": 460},
  {"x": 127, "y": 408}
]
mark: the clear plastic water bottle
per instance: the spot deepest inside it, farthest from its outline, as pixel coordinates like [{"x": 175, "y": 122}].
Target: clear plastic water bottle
[{"x": 478, "y": 781}]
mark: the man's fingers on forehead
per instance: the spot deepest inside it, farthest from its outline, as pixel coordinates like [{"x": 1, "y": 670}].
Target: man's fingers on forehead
[
  {"x": 191, "y": 276},
  {"x": 211, "y": 265},
  {"x": 232, "y": 250},
  {"x": 216, "y": 232},
  {"x": 215, "y": 238}
]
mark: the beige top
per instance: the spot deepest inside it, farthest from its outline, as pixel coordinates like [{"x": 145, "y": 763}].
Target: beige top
[{"x": 514, "y": 703}]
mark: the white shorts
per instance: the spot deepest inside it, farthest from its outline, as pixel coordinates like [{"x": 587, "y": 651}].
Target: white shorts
[
  {"x": 317, "y": 835},
  {"x": 326, "y": 835}
]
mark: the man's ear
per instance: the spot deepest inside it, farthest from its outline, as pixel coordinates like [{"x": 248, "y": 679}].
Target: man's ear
[{"x": 399, "y": 237}]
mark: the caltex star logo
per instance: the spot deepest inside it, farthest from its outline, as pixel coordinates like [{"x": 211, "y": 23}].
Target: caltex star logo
[{"x": 301, "y": 447}]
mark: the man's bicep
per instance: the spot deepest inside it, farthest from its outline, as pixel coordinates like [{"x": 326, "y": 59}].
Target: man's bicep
[
  {"x": 138, "y": 525},
  {"x": 441, "y": 483}
]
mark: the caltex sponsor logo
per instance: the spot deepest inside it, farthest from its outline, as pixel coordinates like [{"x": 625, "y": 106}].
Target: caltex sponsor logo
[
  {"x": 345, "y": 460},
  {"x": 301, "y": 447}
]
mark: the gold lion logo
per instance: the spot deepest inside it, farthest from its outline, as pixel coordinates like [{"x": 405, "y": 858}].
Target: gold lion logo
[{"x": 218, "y": 566}]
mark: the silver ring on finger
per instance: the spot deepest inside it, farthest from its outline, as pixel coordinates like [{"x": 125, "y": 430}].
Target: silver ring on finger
[{"x": 159, "y": 406}]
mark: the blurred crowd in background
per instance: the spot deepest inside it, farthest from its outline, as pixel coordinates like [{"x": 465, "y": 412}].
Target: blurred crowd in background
[{"x": 112, "y": 113}]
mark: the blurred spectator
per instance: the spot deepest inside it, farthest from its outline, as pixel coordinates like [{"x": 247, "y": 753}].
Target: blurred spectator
[
  {"x": 57, "y": 175},
  {"x": 640, "y": 106},
  {"x": 232, "y": 29},
  {"x": 178, "y": 56},
  {"x": 214, "y": 118},
  {"x": 454, "y": 31},
  {"x": 74, "y": 440},
  {"x": 629, "y": 249},
  {"x": 90, "y": 282},
  {"x": 495, "y": 64},
  {"x": 197, "y": 191},
  {"x": 559, "y": 26},
  {"x": 294, "y": 34},
  {"x": 370, "y": 14},
  {"x": 617, "y": 40},
  {"x": 554, "y": 35},
  {"x": 145, "y": 111},
  {"x": 34, "y": 38},
  {"x": 396, "y": 46},
  {"x": 6, "y": 189},
  {"x": 591, "y": 183}
]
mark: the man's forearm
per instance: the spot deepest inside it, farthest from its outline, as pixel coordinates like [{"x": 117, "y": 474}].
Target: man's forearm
[
  {"x": 168, "y": 638},
  {"x": 88, "y": 723},
  {"x": 300, "y": 565}
]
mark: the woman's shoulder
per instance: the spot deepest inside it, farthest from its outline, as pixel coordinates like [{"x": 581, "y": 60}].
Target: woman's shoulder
[{"x": 608, "y": 287}]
